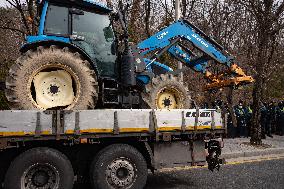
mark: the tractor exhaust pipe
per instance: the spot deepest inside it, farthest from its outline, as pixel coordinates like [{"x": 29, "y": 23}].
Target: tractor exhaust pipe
[
  {"x": 128, "y": 77},
  {"x": 128, "y": 69}
]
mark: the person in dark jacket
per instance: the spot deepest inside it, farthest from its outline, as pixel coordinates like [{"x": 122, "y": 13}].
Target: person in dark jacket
[
  {"x": 273, "y": 117},
  {"x": 231, "y": 130},
  {"x": 281, "y": 119},
  {"x": 269, "y": 118},
  {"x": 248, "y": 116},
  {"x": 263, "y": 117},
  {"x": 241, "y": 119},
  {"x": 205, "y": 105},
  {"x": 277, "y": 117}
]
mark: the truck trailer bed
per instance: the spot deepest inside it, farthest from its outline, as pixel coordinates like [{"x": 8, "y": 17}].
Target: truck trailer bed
[{"x": 112, "y": 121}]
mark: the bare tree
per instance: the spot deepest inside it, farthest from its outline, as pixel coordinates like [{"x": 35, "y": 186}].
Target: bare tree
[
  {"x": 268, "y": 17},
  {"x": 27, "y": 13}
]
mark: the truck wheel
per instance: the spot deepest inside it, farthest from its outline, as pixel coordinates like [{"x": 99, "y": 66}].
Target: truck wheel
[
  {"x": 119, "y": 166},
  {"x": 49, "y": 78},
  {"x": 40, "y": 168},
  {"x": 166, "y": 92}
]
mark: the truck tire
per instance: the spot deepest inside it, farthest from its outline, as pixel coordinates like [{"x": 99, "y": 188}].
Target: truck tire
[
  {"x": 118, "y": 166},
  {"x": 40, "y": 168},
  {"x": 51, "y": 78},
  {"x": 166, "y": 92}
]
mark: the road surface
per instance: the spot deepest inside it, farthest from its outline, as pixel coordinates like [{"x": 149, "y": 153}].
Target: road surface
[
  {"x": 268, "y": 174},
  {"x": 263, "y": 174}
]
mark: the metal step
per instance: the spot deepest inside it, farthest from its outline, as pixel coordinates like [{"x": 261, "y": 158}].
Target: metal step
[
  {"x": 110, "y": 96},
  {"x": 111, "y": 99},
  {"x": 110, "y": 92},
  {"x": 111, "y": 103},
  {"x": 110, "y": 89}
]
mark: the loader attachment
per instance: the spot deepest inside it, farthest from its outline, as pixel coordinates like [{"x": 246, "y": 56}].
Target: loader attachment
[{"x": 234, "y": 76}]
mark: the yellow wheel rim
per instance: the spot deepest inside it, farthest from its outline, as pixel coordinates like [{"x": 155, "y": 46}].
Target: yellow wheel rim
[
  {"x": 168, "y": 99},
  {"x": 53, "y": 89}
]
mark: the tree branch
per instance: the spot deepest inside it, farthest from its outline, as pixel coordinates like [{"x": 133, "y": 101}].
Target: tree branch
[
  {"x": 18, "y": 6},
  {"x": 12, "y": 29},
  {"x": 279, "y": 10}
]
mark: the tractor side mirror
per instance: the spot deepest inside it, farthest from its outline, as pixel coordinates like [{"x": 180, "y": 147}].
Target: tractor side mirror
[{"x": 108, "y": 33}]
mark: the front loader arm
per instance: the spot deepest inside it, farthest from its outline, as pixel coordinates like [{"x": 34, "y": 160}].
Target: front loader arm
[
  {"x": 168, "y": 40},
  {"x": 181, "y": 29}
]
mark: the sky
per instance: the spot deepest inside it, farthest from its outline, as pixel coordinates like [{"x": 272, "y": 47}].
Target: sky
[{"x": 3, "y": 3}]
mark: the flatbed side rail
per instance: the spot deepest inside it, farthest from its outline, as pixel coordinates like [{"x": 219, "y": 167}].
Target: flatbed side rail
[{"x": 98, "y": 124}]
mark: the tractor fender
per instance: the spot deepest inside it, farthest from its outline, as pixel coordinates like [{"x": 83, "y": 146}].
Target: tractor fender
[{"x": 61, "y": 44}]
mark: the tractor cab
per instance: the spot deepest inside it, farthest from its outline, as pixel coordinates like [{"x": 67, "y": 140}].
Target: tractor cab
[{"x": 83, "y": 24}]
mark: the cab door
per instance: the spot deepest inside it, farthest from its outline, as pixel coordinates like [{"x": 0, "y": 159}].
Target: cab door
[{"x": 93, "y": 33}]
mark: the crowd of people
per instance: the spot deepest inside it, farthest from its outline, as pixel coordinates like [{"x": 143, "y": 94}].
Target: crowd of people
[{"x": 271, "y": 118}]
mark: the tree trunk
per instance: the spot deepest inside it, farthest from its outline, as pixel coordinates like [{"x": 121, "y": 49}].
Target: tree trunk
[
  {"x": 230, "y": 105},
  {"x": 257, "y": 94},
  {"x": 184, "y": 7},
  {"x": 147, "y": 17},
  {"x": 256, "y": 125}
]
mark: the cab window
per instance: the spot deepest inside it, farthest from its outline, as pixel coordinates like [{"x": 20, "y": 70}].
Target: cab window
[
  {"x": 98, "y": 38},
  {"x": 56, "y": 22}
]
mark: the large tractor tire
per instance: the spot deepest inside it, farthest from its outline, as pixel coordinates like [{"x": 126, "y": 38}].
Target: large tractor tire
[
  {"x": 166, "y": 92},
  {"x": 51, "y": 78}
]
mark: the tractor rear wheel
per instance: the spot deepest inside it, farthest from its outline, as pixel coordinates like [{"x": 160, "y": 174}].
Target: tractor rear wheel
[
  {"x": 51, "y": 78},
  {"x": 166, "y": 92}
]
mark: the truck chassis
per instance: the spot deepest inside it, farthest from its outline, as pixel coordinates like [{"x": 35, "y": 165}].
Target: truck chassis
[{"x": 109, "y": 148}]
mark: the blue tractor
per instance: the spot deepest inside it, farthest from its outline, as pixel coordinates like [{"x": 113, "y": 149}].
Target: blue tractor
[{"x": 80, "y": 60}]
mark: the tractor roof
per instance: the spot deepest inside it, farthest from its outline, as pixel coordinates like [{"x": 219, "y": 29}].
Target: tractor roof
[{"x": 90, "y": 4}]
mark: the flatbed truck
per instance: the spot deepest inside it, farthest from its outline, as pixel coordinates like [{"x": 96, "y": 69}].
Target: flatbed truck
[{"x": 113, "y": 148}]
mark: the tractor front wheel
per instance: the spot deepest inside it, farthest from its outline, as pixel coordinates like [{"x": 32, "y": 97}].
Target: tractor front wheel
[{"x": 166, "y": 92}]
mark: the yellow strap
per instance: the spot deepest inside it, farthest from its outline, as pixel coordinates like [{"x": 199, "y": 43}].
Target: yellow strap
[{"x": 250, "y": 110}]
